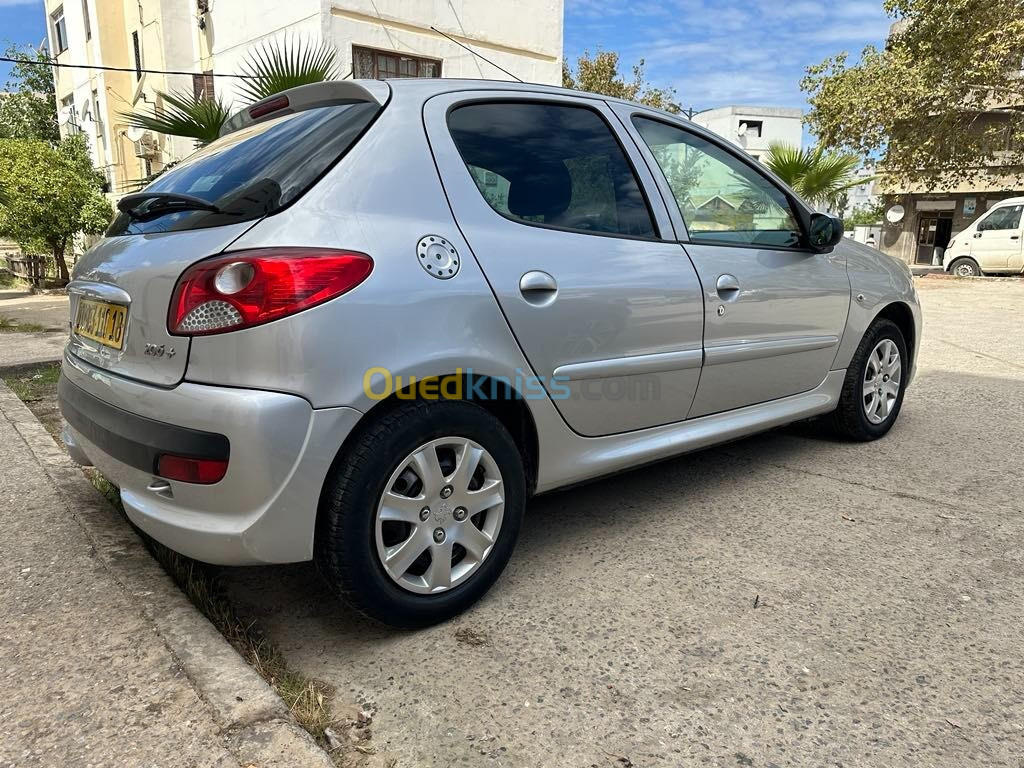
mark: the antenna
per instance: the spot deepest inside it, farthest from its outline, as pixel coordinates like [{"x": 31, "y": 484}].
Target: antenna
[{"x": 478, "y": 55}]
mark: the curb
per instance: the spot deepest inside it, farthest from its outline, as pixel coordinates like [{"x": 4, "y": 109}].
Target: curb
[{"x": 257, "y": 727}]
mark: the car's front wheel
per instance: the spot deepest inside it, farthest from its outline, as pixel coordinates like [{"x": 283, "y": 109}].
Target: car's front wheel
[
  {"x": 421, "y": 512},
  {"x": 876, "y": 380},
  {"x": 964, "y": 267}
]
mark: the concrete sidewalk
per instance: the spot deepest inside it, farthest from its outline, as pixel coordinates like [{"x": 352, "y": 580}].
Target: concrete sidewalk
[
  {"x": 22, "y": 349},
  {"x": 103, "y": 661}
]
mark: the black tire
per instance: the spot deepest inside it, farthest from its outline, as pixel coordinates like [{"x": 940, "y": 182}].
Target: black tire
[
  {"x": 850, "y": 420},
  {"x": 345, "y": 545},
  {"x": 961, "y": 266}
]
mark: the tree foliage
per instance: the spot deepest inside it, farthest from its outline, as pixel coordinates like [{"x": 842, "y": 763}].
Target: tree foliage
[
  {"x": 942, "y": 99},
  {"x": 271, "y": 68},
  {"x": 600, "y": 74},
  {"x": 818, "y": 175},
  {"x": 52, "y": 195},
  {"x": 28, "y": 110},
  {"x": 865, "y": 215}
]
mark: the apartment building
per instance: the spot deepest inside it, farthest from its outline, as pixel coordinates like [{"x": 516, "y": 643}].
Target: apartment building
[
  {"x": 754, "y": 129},
  {"x": 373, "y": 39}
]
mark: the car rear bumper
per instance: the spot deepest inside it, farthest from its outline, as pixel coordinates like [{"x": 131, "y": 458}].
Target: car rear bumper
[{"x": 279, "y": 450}]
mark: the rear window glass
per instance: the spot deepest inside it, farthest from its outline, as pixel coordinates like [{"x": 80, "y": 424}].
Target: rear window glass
[{"x": 252, "y": 172}]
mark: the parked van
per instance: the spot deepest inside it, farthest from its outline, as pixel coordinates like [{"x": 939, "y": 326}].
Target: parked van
[{"x": 991, "y": 244}]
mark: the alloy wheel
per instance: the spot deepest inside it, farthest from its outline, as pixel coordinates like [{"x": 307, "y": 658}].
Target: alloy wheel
[
  {"x": 882, "y": 377},
  {"x": 440, "y": 515}
]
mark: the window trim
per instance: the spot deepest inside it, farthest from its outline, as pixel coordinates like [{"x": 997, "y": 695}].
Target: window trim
[
  {"x": 659, "y": 236},
  {"x": 60, "y": 39},
  {"x": 803, "y": 214},
  {"x": 137, "y": 52},
  {"x": 399, "y": 54},
  {"x": 85, "y": 20}
]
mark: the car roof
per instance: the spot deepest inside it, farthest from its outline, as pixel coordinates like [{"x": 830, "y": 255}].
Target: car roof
[{"x": 426, "y": 87}]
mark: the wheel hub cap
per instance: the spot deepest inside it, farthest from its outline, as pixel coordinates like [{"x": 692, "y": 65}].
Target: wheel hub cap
[
  {"x": 882, "y": 377},
  {"x": 439, "y": 515}
]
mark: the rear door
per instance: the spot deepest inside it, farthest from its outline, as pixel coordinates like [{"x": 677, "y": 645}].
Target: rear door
[
  {"x": 996, "y": 242},
  {"x": 554, "y": 207},
  {"x": 774, "y": 310}
]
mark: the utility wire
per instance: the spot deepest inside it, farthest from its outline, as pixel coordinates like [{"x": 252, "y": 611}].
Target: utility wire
[
  {"x": 120, "y": 69},
  {"x": 479, "y": 55}
]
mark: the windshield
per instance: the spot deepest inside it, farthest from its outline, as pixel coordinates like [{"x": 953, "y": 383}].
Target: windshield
[{"x": 255, "y": 171}]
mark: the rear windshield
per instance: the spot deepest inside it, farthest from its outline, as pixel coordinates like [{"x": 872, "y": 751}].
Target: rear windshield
[{"x": 252, "y": 172}]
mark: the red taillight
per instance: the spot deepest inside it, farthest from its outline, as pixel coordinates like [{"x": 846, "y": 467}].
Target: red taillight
[
  {"x": 188, "y": 470},
  {"x": 245, "y": 288}
]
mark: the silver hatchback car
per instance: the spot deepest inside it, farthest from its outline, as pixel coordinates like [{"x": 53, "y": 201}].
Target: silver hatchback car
[{"x": 372, "y": 319}]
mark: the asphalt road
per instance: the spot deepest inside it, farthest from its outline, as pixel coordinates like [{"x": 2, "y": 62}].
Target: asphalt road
[{"x": 783, "y": 600}]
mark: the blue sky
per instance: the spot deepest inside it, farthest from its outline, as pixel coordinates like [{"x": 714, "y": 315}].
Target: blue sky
[
  {"x": 21, "y": 21},
  {"x": 713, "y": 52},
  {"x": 717, "y": 52}
]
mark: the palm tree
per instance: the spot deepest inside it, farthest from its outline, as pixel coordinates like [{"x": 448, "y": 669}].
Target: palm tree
[
  {"x": 269, "y": 69},
  {"x": 818, "y": 175}
]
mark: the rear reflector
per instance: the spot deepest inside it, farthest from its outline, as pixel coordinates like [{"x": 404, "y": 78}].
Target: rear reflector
[
  {"x": 281, "y": 102},
  {"x": 188, "y": 470},
  {"x": 246, "y": 288}
]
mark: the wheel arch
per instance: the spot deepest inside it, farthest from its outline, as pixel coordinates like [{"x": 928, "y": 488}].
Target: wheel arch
[
  {"x": 900, "y": 313},
  {"x": 509, "y": 407}
]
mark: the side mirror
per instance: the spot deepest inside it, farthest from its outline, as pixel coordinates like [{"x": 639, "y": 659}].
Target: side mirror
[{"x": 825, "y": 231}]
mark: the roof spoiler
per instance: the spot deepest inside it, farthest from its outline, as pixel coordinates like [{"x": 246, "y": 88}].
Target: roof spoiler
[{"x": 307, "y": 97}]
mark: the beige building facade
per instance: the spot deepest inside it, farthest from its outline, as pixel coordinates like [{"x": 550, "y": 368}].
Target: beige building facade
[{"x": 203, "y": 38}]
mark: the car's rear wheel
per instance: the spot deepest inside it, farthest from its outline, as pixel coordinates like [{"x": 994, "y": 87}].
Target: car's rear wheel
[
  {"x": 964, "y": 267},
  {"x": 876, "y": 380},
  {"x": 421, "y": 512}
]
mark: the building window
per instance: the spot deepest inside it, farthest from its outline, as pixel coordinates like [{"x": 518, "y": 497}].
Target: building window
[
  {"x": 85, "y": 20},
  {"x": 202, "y": 85},
  {"x": 380, "y": 65},
  {"x": 60, "y": 30},
  {"x": 751, "y": 128},
  {"x": 138, "y": 55}
]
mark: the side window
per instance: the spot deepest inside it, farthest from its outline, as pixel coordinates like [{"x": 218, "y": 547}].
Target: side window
[
  {"x": 1007, "y": 217},
  {"x": 721, "y": 198},
  {"x": 551, "y": 164}
]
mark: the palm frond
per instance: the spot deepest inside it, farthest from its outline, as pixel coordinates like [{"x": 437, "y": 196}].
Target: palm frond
[
  {"x": 184, "y": 114},
  {"x": 279, "y": 65},
  {"x": 816, "y": 174}
]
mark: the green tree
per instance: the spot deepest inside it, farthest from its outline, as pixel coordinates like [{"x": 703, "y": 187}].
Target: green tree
[
  {"x": 943, "y": 99},
  {"x": 28, "y": 110},
  {"x": 52, "y": 195},
  {"x": 271, "y": 68},
  {"x": 818, "y": 175},
  {"x": 600, "y": 74},
  {"x": 865, "y": 215}
]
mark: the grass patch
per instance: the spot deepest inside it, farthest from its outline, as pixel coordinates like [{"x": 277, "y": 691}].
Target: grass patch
[
  {"x": 309, "y": 700},
  {"x": 10, "y": 280},
  {"x": 7, "y": 325}
]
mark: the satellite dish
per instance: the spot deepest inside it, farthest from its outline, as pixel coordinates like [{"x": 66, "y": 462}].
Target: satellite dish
[
  {"x": 64, "y": 115},
  {"x": 134, "y": 133},
  {"x": 742, "y": 130},
  {"x": 895, "y": 214}
]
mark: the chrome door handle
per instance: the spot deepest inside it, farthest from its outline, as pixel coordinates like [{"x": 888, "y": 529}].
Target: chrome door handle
[
  {"x": 728, "y": 287},
  {"x": 537, "y": 281}
]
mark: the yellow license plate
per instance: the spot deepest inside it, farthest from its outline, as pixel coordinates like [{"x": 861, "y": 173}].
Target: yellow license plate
[{"x": 102, "y": 322}]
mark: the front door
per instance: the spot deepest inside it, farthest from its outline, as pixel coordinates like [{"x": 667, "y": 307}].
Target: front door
[
  {"x": 996, "y": 242},
  {"x": 607, "y": 310},
  {"x": 775, "y": 311}
]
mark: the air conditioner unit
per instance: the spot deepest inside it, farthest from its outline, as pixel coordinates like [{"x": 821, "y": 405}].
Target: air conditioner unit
[{"x": 146, "y": 146}]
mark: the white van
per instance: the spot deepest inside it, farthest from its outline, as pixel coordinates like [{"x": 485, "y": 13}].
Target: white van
[{"x": 991, "y": 244}]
